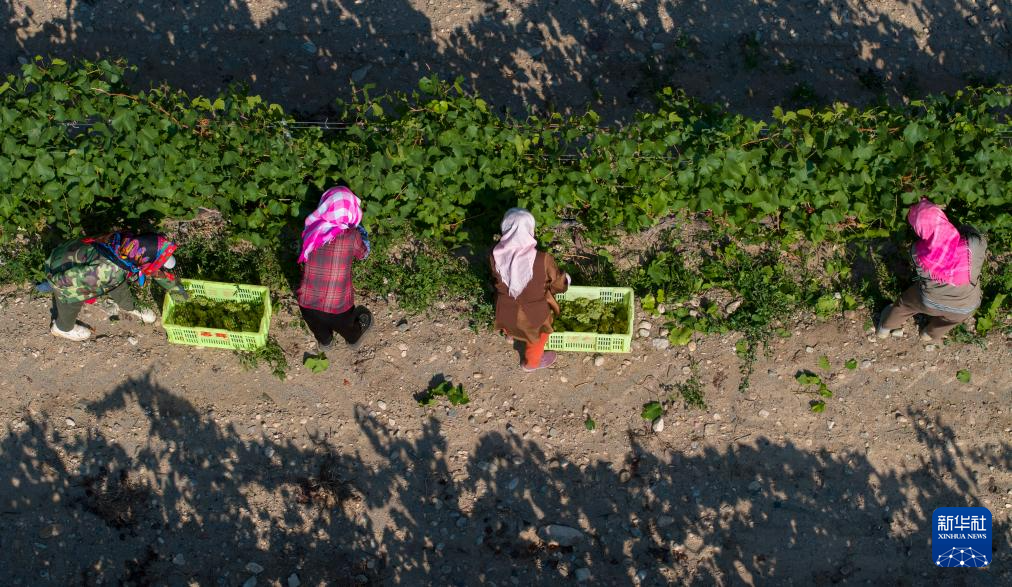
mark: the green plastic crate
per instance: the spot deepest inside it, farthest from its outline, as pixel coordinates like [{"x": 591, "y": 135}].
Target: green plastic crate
[
  {"x": 591, "y": 342},
  {"x": 213, "y": 337}
]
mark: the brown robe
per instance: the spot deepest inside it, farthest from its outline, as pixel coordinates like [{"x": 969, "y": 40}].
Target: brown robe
[{"x": 526, "y": 317}]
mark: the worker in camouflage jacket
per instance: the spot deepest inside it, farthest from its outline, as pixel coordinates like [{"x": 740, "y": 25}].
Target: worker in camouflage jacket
[{"x": 82, "y": 270}]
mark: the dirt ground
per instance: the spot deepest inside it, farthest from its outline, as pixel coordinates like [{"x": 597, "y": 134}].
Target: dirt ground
[
  {"x": 127, "y": 460},
  {"x": 611, "y": 55}
]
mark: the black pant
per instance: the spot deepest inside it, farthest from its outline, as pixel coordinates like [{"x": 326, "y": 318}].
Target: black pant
[
  {"x": 65, "y": 313},
  {"x": 350, "y": 324}
]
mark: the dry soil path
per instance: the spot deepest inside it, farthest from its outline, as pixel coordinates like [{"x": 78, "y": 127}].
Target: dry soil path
[
  {"x": 609, "y": 54},
  {"x": 129, "y": 459}
]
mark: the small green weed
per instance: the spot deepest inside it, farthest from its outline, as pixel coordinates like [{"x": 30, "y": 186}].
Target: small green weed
[
  {"x": 991, "y": 316},
  {"x": 809, "y": 379},
  {"x": 886, "y": 286},
  {"x": 706, "y": 319},
  {"x": 148, "y": 297},
  {"x": 422, "y": 275},
  {"x": 963, "y": 376},
  {"x": 688, "y": 392},
  {"x": 455, "y": 393},
  {"x": 664, "y": 277},
  {"x": 691, "y": 392},
  {"x": 997, "y": 288},
  {"x": 270, "y": 354},
  {"x": 769, "y": 297},
  {"x": 962, "y": 335},
  {"x": 22, "y": 261}
]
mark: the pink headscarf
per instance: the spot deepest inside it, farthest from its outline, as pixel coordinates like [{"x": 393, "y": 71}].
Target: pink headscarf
[
  {"x": 515, "y": 252},
  {"x": 942, "y": 252},
  {"x": 338, "y": 211}
]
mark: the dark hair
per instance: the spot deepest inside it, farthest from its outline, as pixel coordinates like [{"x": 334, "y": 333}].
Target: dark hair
[{"x": 966, "y": 231}]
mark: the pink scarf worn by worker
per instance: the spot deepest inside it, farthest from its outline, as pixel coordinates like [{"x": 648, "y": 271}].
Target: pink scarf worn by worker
[
  {"x": 942, "y": 252},
  {"x": 514, "y": 255},
  {"x": 339, "y": 210}
]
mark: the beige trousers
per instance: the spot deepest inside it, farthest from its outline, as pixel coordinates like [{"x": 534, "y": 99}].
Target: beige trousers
[{"x": 910, "y": 303}]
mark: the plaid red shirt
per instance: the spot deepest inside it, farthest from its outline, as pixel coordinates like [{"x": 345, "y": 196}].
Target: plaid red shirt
[{"x": 326, "y": 277}]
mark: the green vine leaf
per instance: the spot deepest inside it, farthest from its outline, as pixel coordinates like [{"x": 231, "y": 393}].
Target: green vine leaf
[
  {"x": 317, "y": 364},
  {"x": 652, "y": 411}
]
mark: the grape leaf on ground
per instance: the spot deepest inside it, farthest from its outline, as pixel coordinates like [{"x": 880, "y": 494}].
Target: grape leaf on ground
[
  {"x": 652, "y": 411},
  {"x": 317, "y": 364}
]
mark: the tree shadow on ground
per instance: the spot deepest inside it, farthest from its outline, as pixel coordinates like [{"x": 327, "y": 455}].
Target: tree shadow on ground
[
  {"x": 607, "y": 54},
  {"x": 181, "y": 497}
]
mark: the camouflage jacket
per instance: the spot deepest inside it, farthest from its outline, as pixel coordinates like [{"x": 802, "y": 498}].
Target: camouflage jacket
[{"x": 78, "y": 272}]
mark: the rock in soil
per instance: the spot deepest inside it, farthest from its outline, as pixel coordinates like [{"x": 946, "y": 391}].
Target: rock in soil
[
  {"x": 359, "y": 74},
  {"x": 561, "y": 535}
]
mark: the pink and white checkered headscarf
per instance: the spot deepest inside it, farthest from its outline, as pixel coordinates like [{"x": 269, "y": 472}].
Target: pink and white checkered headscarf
[
  {"x": 339, "y": 210},
  {"x": 942, "y": 252},
  {"x": 514, "y": 254}
]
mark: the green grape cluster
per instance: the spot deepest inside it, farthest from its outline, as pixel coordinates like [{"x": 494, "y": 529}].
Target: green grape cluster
[
  {"x": 587, "y": 315},
  {"x": 207, "y": 313}
]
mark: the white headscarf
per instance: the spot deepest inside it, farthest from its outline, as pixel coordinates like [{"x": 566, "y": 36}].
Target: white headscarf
[{"x": 514, "y": 255}]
